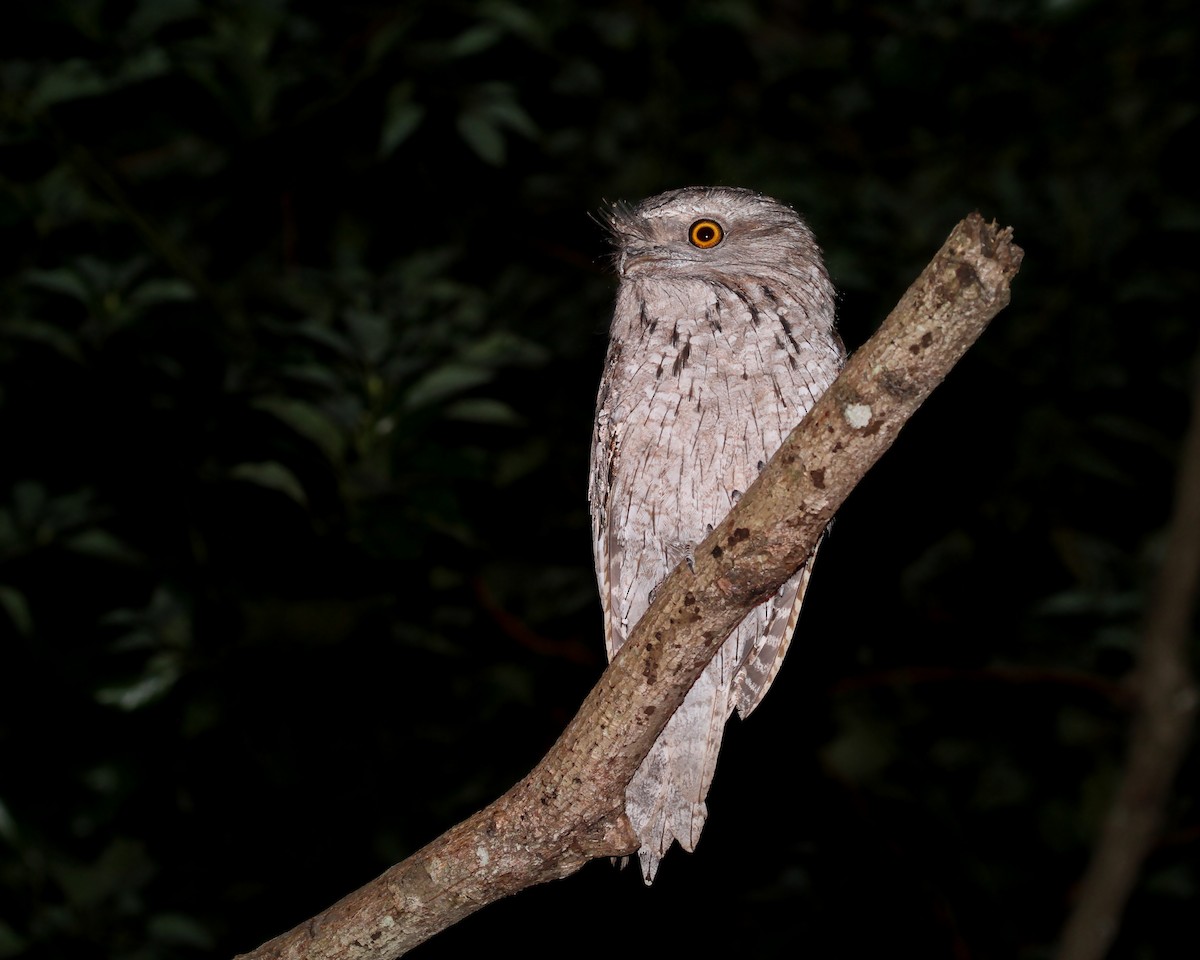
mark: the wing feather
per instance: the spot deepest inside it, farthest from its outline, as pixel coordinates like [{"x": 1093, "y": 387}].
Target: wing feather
[{"x": 765, "y": 657}]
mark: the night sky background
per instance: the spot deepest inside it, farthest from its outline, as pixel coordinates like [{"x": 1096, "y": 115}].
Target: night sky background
[{"x": 302, "y": 313}]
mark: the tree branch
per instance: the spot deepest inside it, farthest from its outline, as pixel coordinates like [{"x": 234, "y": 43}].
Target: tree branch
[
  {"x": 1162, "y": 724},
  {"x": 570, "y": 808}
]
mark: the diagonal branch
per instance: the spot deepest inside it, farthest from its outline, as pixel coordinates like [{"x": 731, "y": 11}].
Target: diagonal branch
[
  {"x": 1162, "y": 723},
  {"x": 570, "y": 808}
]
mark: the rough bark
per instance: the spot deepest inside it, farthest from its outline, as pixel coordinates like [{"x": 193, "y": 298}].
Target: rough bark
[{"x": 569, "y": 809}]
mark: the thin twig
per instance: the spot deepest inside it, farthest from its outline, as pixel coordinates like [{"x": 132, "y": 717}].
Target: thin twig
[{"x": 1115, "y": 692}]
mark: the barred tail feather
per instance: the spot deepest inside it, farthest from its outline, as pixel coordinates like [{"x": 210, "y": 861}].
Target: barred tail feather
[{"x": 758, "y": 671}]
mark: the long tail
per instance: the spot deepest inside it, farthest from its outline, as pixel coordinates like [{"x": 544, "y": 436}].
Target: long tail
[{"x": 665, "y": 800}]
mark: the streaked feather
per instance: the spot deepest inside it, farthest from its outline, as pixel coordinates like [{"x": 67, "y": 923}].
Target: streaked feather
[{"x": 714, "y": 356}]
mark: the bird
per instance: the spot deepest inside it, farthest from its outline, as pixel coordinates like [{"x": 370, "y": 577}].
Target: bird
[{"x": 722, "y": 339}]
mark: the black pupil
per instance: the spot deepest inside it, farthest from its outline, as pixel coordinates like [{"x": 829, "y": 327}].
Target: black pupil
[{"x": 705, "y": 234}]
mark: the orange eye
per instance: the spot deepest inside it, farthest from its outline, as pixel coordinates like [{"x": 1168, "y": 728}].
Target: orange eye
[{"x": 705, "y": 234}]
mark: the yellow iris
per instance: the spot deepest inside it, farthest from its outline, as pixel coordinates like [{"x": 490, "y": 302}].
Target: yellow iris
[{"x": 705, "y": 234}]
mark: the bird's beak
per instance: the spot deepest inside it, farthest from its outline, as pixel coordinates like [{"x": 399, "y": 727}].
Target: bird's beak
[{"x": 631, "y": 257}]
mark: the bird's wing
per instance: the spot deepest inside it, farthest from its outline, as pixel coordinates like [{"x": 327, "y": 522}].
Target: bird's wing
[
  {"x": 607, "y": 559},
  {"x": 764, "y": 658}
]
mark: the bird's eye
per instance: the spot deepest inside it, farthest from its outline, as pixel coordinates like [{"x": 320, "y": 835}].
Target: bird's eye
[{"x": 705, "y": 234}]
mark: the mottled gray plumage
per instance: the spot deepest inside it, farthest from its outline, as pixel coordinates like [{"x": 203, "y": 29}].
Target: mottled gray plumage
[{"x": 722, "y": 339}]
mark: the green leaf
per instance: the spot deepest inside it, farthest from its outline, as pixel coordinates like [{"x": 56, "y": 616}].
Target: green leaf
[
  {"x": 36, "y": 331},
  {"x": 401, "y": 118},
  {"x": 160, "y": 674},
  {"x": 312, "y": 374},
  {"x": 482, "y": 136},
  {"x": 145, "y": 64},
  {"x": 504, "y": 348},
  {"x": 319, "y": 333},
  {"x": 103, "y": 545},
  {"x": 370, "y": 331},
  {"x": 388, "y": 34},
  {"x": 308, "y": 421},
  {"x": 862, "y": 749},
  {"x": 29, "y": 503},
  {"x": 475, "y": 40},
  {"x": 500, "y": 104},
  {"x": 161, "y": 290},
  {"x": 484, "y": 410},
  {"x": 151, "y": 15},
  {"x": 12, "y": 944},
  {"x": 273, "y": 476},
  {"x": 69, "y": 80},
  {"x": 445, "y": 381},
  {"x": 64, "y": 198},
  {"x": 62, "y": 280},
  {"x": 122, "y": 868},
  {"x": 519, "y": 21},
  {"x": 16, "y": 607}
]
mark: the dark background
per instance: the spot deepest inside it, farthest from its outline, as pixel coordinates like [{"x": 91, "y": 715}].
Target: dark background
[{"x": 301, "y": 319}]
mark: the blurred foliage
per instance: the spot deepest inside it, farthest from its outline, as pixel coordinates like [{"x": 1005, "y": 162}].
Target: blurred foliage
[{"x": 301, "y": 317}]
